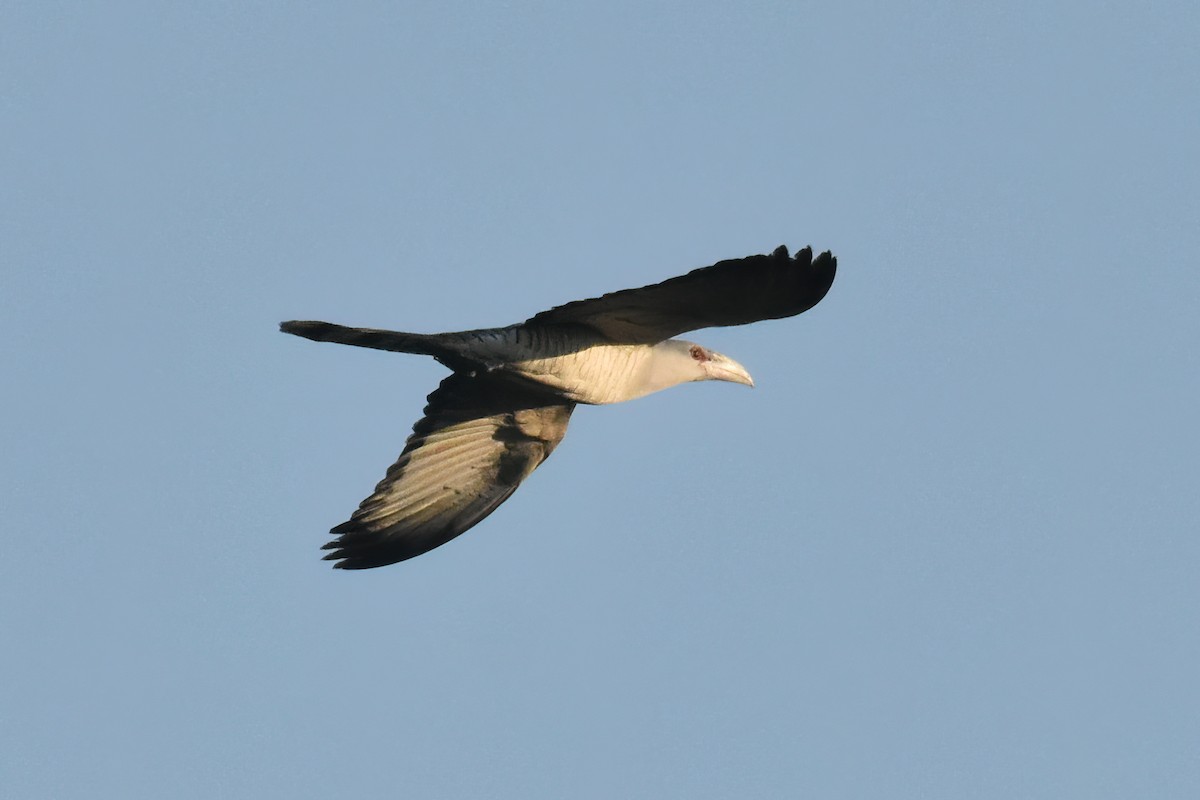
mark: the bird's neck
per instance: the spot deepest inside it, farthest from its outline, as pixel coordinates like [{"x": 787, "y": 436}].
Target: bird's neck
[{"x": 668, "y": 364}]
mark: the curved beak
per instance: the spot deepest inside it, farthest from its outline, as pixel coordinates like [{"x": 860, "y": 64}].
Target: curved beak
[{"x": 723, "y": 368}]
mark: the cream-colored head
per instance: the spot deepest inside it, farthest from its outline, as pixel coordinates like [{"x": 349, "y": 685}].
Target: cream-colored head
[
  {"x": 676, "y": 361},
  {"x": 716, "y": 367}
]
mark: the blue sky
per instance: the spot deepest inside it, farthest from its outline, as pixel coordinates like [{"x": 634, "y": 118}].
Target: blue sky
[{"x": 946, "y": 548}]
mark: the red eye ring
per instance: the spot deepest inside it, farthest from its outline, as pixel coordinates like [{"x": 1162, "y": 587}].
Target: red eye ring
[{"x": 699, "y": 353}]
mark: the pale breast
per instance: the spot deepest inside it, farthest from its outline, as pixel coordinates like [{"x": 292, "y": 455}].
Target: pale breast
[
  {"x": 601, "y": 373},
  {"x": 576, "y": 363}
]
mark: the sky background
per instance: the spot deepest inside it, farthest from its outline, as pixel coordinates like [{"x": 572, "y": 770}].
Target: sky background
[{"x": 947, "y": 548}]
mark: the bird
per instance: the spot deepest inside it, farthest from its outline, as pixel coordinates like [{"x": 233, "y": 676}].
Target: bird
[{"x": 506, "y": 404}]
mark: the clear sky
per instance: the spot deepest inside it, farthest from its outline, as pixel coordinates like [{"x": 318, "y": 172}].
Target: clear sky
[{"x": 949, "y": 546}]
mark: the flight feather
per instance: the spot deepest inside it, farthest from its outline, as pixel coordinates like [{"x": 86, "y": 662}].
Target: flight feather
[
  {"x": 480, "y": 437},
  {"x": 733, "y": 292}
]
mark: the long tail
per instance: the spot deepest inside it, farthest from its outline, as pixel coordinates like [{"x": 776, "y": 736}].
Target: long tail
[{"x": 424, "y": 344}]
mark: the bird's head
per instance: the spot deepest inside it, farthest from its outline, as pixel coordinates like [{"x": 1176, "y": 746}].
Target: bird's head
[
  {"x": 675, "y": 361},
  {"x": 712, "y": 366}
]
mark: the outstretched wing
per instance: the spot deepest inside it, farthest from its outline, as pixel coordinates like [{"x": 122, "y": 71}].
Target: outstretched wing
[
  {"x": 733, "y": 292},
  {"x": 480, "y": 437}
]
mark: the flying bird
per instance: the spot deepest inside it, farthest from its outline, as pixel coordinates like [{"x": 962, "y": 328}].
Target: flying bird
[{"x": 506, "y": 405}]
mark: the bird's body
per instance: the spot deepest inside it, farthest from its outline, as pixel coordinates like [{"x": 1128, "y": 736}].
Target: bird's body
[{"x": 506, "y": 407}]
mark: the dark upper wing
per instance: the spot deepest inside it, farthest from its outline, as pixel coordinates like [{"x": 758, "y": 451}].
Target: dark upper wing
[
  {"x": 480, "y": 437},
  {"x": 732, "y": 292}
]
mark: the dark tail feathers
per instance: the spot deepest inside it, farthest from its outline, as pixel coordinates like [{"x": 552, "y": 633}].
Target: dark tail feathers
[{"x": 395, "y": 341}]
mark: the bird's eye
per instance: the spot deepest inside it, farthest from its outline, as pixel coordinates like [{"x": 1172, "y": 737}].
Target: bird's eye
[{"x": 699, "y": 353}]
